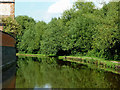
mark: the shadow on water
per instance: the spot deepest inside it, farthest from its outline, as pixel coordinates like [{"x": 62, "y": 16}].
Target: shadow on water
[
  {"x": 9, "y": 76},
  {"x": 53, "y": 73},
  {"x": 71, "y": 64},
  {"x": 61, "y": 62}
]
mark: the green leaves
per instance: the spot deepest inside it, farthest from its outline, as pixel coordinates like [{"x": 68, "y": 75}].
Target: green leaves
[
  {"x": 32, "y": 37},
  {"x": 107, "y": 32},
  {"x": 11, "y": 26},
  {"x": 80, "y": 30},
  {"x": 52, "y": 37},
  {"x": 85, "y": 7}
]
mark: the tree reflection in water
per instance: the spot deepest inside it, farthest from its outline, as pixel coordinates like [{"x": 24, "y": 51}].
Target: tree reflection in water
[{"x": 47, "y": 73}]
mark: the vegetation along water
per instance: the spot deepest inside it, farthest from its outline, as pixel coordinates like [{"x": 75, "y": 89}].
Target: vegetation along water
[
  {"x": 82, "y": 31},
  {"x": 36, "y": 72}
]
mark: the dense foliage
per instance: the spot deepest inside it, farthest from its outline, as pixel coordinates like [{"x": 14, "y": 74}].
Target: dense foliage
[
  {"x": 11, "y": 26},
  {"x": 82, "y": 30}
]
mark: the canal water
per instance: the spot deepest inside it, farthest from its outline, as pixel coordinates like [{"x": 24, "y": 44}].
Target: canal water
[{"x": 34, "y": 72}]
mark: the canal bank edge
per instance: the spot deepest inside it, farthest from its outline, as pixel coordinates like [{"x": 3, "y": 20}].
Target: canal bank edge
[
  {"x": 110, "y": 66},
  {"x": 94, "y": 63}
]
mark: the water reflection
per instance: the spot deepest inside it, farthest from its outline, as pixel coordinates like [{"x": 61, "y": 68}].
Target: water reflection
[
  {"x": 45, "y": 86},
  {"x": 8, "y": 76},
  {"x": 49, "y": 73}
]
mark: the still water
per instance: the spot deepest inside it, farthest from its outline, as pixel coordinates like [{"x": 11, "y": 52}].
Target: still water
[{"x": 33, "y": 72}]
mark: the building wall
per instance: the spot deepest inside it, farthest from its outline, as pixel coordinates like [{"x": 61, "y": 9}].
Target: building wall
[
  {"x": 6, "y": 40},
  {"x": 1, "y": 28},
  {"x": 7, "y": 0},
  {"x": 7, "y": 8}
]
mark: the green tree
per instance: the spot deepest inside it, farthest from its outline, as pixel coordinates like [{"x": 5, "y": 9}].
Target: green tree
[
  {"x": 27, "y": 42},
  {"x": 27, "y": 24},
  {"x": 40, "y": 28},
  {"x": 82, "y": 30},
  {"x": 52, "y": 38},
  {"x": 107, "y": 37},
  {"x": 11, "y": 26}
]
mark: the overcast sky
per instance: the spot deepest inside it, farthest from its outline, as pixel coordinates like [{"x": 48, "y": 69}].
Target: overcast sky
[{"x": 45, "y": 9}]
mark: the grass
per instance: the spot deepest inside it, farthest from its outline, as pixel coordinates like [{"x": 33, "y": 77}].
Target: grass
[
  {"x": 90, "y": 58},
  {"x": 92, "y": 62},
  {"x": 30, "y": 55},
  {"x": 95, "y": 67}
]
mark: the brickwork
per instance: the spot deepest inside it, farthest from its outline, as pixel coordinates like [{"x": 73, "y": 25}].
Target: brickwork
[
  {"x": 12, "y": 13},
  {"x": 1, "y": 27},
  {"x": 6, "y": 40},
  {"x": 7, "y": 8}
]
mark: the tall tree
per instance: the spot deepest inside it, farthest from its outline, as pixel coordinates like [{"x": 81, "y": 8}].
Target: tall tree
[{"x": 107, "y": 38}]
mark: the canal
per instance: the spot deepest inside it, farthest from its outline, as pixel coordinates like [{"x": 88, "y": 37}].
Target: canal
[{"x": 36, "y": 72}]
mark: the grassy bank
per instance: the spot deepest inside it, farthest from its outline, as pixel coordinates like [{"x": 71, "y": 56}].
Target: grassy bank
[
  {"x": 97, "y": 63},
  {"x": 92, "y": 62},
  {"x": 30, "y": 55}
]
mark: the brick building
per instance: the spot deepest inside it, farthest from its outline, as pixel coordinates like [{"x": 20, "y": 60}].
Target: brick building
[{"x": 7, "y": 8}]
